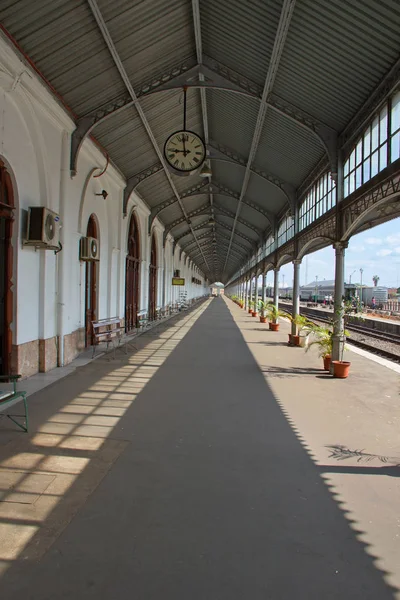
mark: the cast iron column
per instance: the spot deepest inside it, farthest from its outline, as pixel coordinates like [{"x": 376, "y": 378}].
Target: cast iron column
[
  {"x": 338, "y": 337},
  {"x": 296, "y": 293},
  {"x": 264, "y": 289},
  {"x": 245, "y": 296},
  {"x": 276, "y": 287}
]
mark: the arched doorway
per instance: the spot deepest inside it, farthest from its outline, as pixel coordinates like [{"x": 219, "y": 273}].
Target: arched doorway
[
  {"x": 90, "y": 285},
  {"x": 6, "y": 268},
  {"x": 132, "y": 276},
  {"x": 153, "y": 280}
]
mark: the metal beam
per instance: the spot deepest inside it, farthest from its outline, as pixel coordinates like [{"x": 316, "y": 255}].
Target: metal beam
[
  {"x": 280, "y": 38},
  {"x": 220, "y": 152},
  {"x": 235, "y": 242},
  {"x": 207, "y": 189},
  {"x": 203, "y": 76},
  {"x": 194, "y": 190},
  {"x": 188, "y": 231},
  {"x": 203, "y": 98},
  {"x": 217, "y": 76},
  {"x": 218, "y": 234},
  {"x": 199, "y": 211},
  {"x": 199, "y": 237},
  {"x": 118, "y": 63},
  {"x": 238, "y": 233},
  {"x": 228, "y": 213},
  {"x": 134, "y": 181}
]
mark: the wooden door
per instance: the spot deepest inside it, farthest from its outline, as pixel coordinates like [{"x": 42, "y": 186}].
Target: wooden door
[
  {"x": 132, "y": 273},
  {"x": 153, "y": 281},
  {"x": 90, "y": 287}
]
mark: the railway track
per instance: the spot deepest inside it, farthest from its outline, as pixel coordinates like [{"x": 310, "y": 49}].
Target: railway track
[{"x": 359, "y": 330}]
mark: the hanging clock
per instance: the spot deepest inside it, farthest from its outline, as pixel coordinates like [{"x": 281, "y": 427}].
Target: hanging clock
[{"x": 184, "y": 150}]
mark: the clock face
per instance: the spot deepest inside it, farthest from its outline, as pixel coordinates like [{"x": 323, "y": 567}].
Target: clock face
[{"x": 185, "y": 151}]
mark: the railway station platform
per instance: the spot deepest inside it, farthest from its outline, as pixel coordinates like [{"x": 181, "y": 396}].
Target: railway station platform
[{"x": 215, "y": 462}]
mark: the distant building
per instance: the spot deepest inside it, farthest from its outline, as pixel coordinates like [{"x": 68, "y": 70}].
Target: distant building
[{"x": 379, "y": 293}]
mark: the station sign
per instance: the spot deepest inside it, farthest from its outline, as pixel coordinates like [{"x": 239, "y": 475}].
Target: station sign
[{"x": 178, "y": 281}]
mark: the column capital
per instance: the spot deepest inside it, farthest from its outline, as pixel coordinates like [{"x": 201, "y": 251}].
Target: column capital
[
  {"x": 277, "y": 269},
  {"x": 340, "y": 245},
  {"x": 297, "y": 261}
]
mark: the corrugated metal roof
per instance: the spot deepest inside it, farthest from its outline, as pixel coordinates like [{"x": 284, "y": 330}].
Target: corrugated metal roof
[
  {"x": 240, "y": 34},
  {"x": 155, "y": 189},
  {"x": 287, "y": 150},
  {"x": 266, "y": 194},
  {"x": 228, "y": 174},
  {"x": 127, "y": 142},
  {"x": 232, "y": 119},
  {"x": 334, "y": 55},
  {"x": 151, "y": 36}
]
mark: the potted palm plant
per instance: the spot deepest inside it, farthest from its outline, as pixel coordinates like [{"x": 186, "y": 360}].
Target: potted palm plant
[
  {"x": 273, "y": 314},
  {"x": 251, "y": 304},
  {"x": 263, "y": 306},
  {"x": 341, "y": 367},
  {"x": 323, "y": 341},
  {"x": 304, "y": 327}
]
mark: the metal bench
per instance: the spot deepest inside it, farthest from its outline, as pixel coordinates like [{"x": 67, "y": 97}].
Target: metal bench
[
  {"x": 108, "y": 331},
  {"x": 8, "y": 396}
]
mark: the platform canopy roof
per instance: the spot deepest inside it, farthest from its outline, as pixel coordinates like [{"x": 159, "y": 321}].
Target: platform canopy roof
[{"x": 270, "y": 86}]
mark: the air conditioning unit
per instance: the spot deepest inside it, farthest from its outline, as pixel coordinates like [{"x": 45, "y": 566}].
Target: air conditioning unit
[
  {"x": 43, "y": 228},
  {"x": 89, "y": 249},
  {"x": 177, "y": 273}
]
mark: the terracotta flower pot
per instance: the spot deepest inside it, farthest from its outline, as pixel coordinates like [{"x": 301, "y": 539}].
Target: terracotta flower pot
[
  {"x": 341, "y": 369},
  {"x": 253, "y": 314},
  {"x": 263, "y": 319},
  {"x": 327, "y": 362},
  {"x": 296, "y": 340},
  {"x": 273, "y": 326},
  {"x": 250, "y": 311}
]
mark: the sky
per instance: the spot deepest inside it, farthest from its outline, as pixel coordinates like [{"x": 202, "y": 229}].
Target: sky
[{"x": 376, "y": 251}]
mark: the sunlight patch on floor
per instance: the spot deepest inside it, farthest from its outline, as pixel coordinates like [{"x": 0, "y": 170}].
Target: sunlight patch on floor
[{"x": 73, "y": 441}]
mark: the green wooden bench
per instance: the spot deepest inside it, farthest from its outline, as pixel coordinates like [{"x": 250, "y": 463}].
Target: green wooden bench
[{"x": 8, "y": 396}]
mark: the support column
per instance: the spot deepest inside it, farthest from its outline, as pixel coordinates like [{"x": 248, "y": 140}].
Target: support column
[
  {"x": 255, "y": 293},
  {"x": 246, "y": 297},
  {"x": 296, "y": 293},
  {"x": 338, "y": 338},
  {"x": 264, "y": 289},
  {"x": 276, "y": 287}
]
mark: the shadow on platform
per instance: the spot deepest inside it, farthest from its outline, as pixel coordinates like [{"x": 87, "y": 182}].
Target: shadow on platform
[{"x": 172, "y": 473}]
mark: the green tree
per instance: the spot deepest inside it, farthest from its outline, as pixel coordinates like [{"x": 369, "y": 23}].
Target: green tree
[{"x": 375, "y": 279}]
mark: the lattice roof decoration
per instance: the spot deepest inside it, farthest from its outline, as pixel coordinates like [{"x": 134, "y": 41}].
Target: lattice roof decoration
[{"x": 272, "y": 87}]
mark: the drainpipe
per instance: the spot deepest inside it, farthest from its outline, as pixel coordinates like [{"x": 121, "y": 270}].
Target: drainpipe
[{"x": 64, "y": 176}]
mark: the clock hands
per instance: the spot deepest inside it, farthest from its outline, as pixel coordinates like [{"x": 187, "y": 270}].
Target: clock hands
[{"x": 184, "y": 147}]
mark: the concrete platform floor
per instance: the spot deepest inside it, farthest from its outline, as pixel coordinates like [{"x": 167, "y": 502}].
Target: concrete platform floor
[{"x": 214, "y": 463}]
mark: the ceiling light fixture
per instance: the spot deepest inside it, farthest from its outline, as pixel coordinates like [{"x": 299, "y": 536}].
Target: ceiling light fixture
[{"x": 205, "y": 171}]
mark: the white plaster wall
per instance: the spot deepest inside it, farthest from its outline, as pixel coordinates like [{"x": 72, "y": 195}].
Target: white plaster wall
[{"x": 49, "y": 289}]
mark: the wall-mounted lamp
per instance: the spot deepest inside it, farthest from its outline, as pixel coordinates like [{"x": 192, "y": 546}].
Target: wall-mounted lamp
[{"x": 103, "y": 193}]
